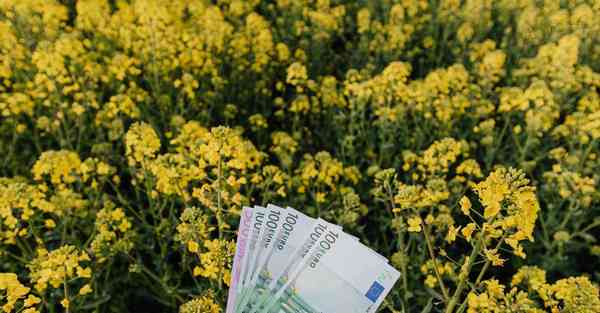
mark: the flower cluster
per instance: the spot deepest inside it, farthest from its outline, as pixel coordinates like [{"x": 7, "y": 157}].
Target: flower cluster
[
  {"x": 204, "y": 304},
  {"x": 215, "y": 259},
  {"x": 531, "y": 293},
  {"x": 16, "y": 297},
  {"x": 64, "y": 267},
  {"x": 113, "y": 233}
]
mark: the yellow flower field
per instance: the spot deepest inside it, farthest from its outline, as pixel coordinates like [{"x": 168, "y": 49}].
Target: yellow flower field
[{"x": 461, "y": 139}]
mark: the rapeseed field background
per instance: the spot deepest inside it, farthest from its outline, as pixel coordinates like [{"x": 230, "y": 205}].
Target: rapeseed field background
[{"x": 458, "y": 138}]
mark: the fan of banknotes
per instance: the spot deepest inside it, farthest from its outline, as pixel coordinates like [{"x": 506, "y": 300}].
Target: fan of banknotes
[{"x": 286, "y": 261}]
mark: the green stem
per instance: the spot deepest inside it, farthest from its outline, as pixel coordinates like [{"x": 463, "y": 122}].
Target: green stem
[
  {"x": 463, "y": 278},
  {"x": 125, "y": 202},
  {"x": 160, "y": 282},
  {"x": 16, "y": 257},
  {"x": 545, "y": 237},
  {"x": 434, "y": 260},
  {"x": 24, "y": 247},
  {"x": 523, "y": 151},
  {"x": 403, "y": 266},
  {"x": 592, "y": 225},
  {"x": 572, "y": 208},
  {"x": 401, "y": 244},
  {"x": 487, "y": 262}
]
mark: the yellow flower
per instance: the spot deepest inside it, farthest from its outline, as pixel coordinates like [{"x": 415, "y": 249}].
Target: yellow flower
[
  {"x": 429, "y": 219},
  {"x": 530, "y": 276},
  {"x": 320, "y": 197},
  {"x": 491, "y": 193},
  {"x": 102, "y": 169},
  {"x": 363, "y": 20},
  {"x": 468, "y": 231},
  {"x": 85, "y": 289},
  {"x": 14, "y": 291},
  {"x": 452, "y": 232},
  {"x": 84, "y": 272},
  {"x": 258, "y": 121},
  {"x": 430, "y": 281},
  {"x": 281, "y": 191},
  {"x": 477, "y": 302},
  {"x": 65, "y": 303},
  {"x": 465, "y": 205},
  {"x": 227, "y": 277},
  {"x": 193, "y": 246},
  {"x": 49, "y": 223},
  {"x": 414, "y": 224},
  {"x": 31, "y": 301},
  {"x": 296, "y": 74},
  {"x": 493, "y": 256}
]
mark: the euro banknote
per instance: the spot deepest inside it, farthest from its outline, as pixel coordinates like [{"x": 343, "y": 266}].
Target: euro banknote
[
  {"x": 338, "y": 276},
  {"x": 268, "y": 233},
  {"x": 292, "y": 253},
  {"x": 288, "y": 262},
  {"x": 293, "y": 231},
  {"x": 247, "y": 261},
  {"x": 241, "y": 249}
]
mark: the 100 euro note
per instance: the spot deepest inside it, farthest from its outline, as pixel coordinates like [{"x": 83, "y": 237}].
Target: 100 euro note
[
  {"x": 300, "y": 248},
  {"x": 270, "y": 229},
  {"x": 246, "y": 259},
  {"x": 297, "y": 236},
  {"x": 294, "y": 231},
  {"x": 326, "y": 281},
  {"x": 241, "y": 249}
]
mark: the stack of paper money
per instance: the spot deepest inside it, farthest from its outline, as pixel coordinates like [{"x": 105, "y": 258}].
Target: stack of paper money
[{"x": 289, "y": 262}]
